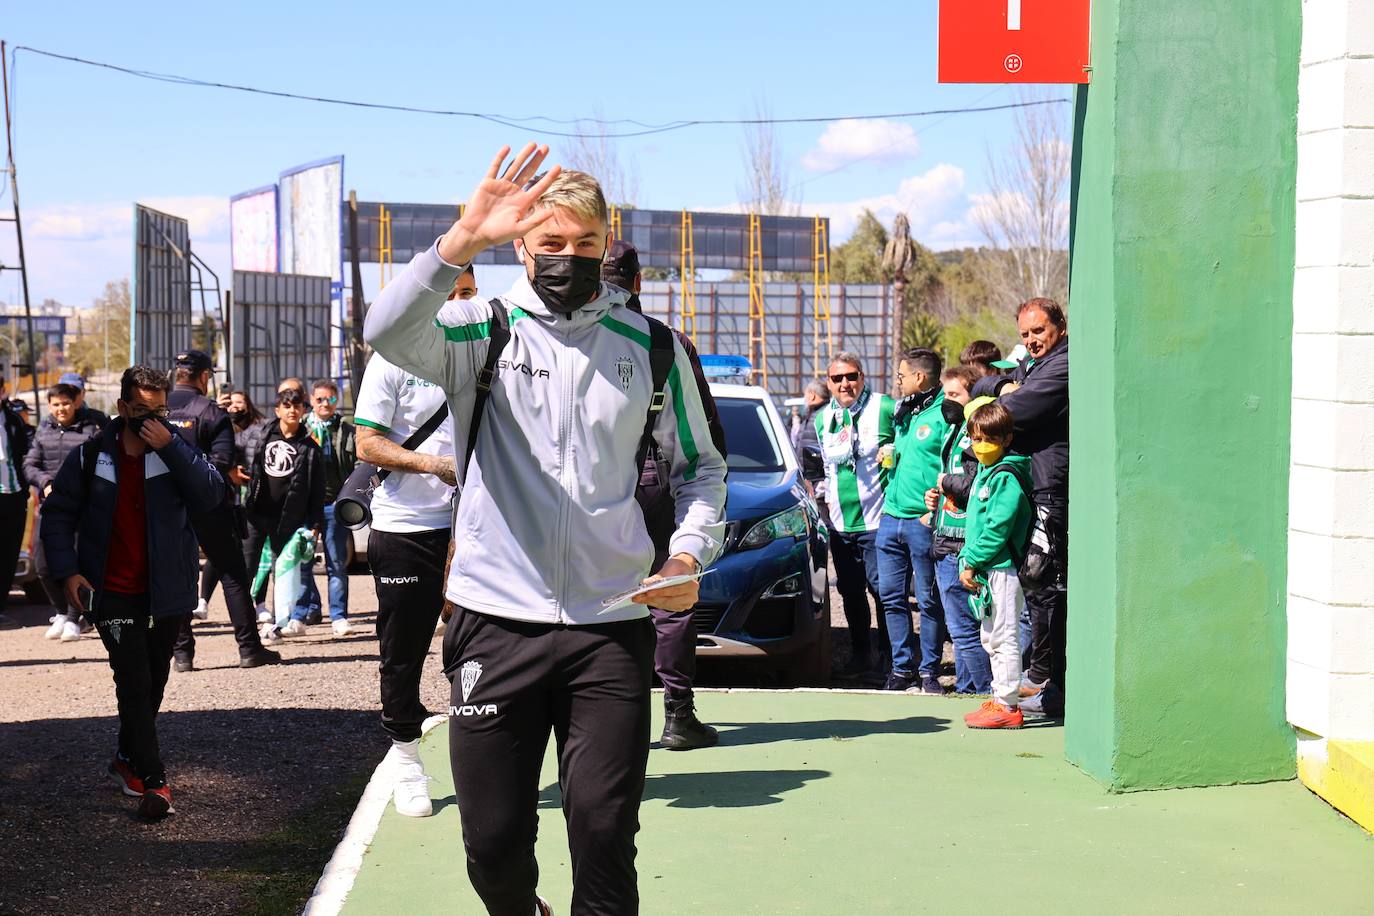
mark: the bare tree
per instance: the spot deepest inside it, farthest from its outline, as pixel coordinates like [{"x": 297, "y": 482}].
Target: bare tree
[
  {"x": 767, "y": 177},
  {"x": 599, "y": 157},
  {"x": 1025, "y": 215}
]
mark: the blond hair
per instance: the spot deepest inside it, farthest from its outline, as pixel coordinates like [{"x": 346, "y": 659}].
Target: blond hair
[{"x": 576, "y": 192}]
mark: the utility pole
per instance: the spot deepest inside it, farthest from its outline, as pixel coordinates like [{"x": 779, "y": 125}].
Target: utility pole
[{"x": 18, "y": 230}]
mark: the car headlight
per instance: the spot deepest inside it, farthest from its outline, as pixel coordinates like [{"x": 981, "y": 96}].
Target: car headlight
[{"x": 788, "y": 524}]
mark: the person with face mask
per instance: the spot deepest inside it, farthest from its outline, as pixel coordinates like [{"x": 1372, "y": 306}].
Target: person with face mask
[
  {"x": 337, "y": 439},
  {"x": 202, "y": 423},
  {"x": 118, "y": 537},
  {"x": 547, "y": 528},
  {"x": 905, "y": 532},
  {"x": 999, "y": 519},
  {"x": 949, "y": 501}
]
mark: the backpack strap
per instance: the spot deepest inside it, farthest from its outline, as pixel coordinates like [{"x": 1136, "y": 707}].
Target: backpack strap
[
  {"x": 500, "y": 336},
  {"x": 661, "y": 359}
]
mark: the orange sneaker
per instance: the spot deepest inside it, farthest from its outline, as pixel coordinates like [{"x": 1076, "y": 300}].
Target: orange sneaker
[
  {"x": 156, "y": 803},
  {"x": 993, "y": 714}
]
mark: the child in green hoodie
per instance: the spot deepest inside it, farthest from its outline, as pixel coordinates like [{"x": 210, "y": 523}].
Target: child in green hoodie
[{"x": 999, "y": 519}]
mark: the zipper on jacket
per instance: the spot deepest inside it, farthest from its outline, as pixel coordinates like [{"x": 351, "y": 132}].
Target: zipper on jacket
[{"x": 561, "y": 360}]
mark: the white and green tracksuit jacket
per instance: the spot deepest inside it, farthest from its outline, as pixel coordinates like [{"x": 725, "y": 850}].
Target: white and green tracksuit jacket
[
  {"x": 547, "y": 525},
  {"x": 854, "y": 480}
]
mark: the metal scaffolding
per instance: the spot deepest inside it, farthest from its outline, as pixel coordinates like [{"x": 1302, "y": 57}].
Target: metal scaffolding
[
  {"x": 687, "y": 271},
  {"x": 822, "y": 339},
  {"x": 615, "y": 222},
  {"x": 758, "y": 328},
  {"x": 384, "y": 244}
]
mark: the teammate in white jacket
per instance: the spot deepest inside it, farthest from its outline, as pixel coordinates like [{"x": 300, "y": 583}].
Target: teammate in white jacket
[{"x": 547, "y": 527}]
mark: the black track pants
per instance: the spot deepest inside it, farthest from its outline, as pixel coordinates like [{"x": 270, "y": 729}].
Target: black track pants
[
  {"x": 140, "y": 657},
  {"x": 218, "y": 536},
  {"x": 512, "y": 683},
  {"x": 409, "y": 572},
  {"x": 1049, "y": 607}
]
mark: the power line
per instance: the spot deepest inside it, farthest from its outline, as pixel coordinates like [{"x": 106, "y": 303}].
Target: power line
[{"x": 522, "y": 123}]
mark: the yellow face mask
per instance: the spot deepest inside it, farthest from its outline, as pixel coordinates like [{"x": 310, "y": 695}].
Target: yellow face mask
[{"x": 988, "y": 453}]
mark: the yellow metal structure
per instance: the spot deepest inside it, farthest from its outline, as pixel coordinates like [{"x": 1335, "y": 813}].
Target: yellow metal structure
[
  {"x": 384, "y": 244},
  {"x": 758, "y": 329},
  {"x": 615, "y": 222},
  {"x": 822, "y": 339},
  {"x": 687, "y": 271}
]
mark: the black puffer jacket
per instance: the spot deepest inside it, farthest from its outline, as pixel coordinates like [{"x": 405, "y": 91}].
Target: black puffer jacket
[
  {"x": 1040, "y": 419},
  {"x": 52, "y": 442}
]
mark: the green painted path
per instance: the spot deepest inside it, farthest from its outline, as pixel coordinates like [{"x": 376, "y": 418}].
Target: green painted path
[{"x": 856, "y": 804}]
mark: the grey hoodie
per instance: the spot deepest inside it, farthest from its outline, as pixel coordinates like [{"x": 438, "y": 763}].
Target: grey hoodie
[{"x": 548, "y": 525}]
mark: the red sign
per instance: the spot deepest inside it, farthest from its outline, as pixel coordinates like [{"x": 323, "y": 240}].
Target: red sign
[{"x": 1014, "y": 41}]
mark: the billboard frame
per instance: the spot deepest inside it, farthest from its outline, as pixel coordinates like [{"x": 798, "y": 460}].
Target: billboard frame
[
  {"x": 338, "y": 319},
  {"x": 276, "y": 221}
]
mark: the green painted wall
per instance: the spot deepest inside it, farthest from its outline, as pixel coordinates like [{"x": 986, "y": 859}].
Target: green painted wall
[{"x": 1181, "y": 317}]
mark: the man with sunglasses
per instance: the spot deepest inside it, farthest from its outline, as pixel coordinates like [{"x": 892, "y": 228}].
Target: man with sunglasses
[
  {"x": 337, "y": 440},
  {"x": 207, "y": 428},
  {"x": 855, "y": 429},
  {"x": 118, "y": 537}
]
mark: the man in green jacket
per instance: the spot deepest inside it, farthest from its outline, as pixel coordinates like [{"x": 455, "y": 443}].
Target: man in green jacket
[
  {"x": 904, "y": 533},
  {"x": 336, "y": 438},
  {"x": 999, "y": 518}
]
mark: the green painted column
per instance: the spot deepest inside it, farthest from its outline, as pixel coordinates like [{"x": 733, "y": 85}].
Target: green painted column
[{"x": 1181, "y": 320}]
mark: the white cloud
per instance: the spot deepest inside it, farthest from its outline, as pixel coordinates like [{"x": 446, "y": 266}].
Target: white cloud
[
  {"x": 849, "y": 141},
  {"x": 931, "y": 198},
  {"x": 74, "y": 248}
]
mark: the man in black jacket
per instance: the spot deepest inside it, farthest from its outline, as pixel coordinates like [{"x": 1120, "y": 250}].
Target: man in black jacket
[
  {"x": 207, "y": 428},
  {"x": 675, "y": 644},
  {"x": 117, "y": 532},
  {"x": 15, "y": 437},
  {"x": 1039, "y": 405}
]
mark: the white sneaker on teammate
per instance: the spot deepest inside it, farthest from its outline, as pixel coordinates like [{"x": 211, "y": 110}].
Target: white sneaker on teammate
[
  {"x": 202, "y": 610},
  {"x": 342, "y": 627},
  {"x": 294, "y": 628},
  {"x": 265, "y": 615},
  {"x": 71, "y": 630},
  {"x": 269, "y": 634},
  {"x": 411, "y": 794},
  {"x": 55, "y": 631}
]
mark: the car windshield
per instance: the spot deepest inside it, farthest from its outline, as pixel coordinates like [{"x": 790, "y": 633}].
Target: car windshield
[{"x": 749, "y": 436}]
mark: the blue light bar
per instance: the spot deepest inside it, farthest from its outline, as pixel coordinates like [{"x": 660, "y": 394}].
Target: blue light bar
[{"x": 732, "y": 367}]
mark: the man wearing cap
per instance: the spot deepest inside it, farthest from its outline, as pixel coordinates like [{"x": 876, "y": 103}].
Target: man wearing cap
[
  {"x": 206, "y": 427},
  {"x": 675, "y": 647}
]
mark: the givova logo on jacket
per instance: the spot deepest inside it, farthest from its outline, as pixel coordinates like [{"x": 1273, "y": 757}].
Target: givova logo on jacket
[{"x": 468, "y": 675}]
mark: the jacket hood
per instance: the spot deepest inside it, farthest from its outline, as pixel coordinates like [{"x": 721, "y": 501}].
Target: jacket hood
[
  {"x": 1020, "y": 465},
  {"x": 523, "y": 296}
]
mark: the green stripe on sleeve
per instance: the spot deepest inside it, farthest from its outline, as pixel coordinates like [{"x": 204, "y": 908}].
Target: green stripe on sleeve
[
  {"x": 624, "y": 330},
  {"x": 478, "y": 330},
  {"x": 370, "y": 425},
  {"x": 517, "y": 313},
  {"x": 684, "y": 427}
]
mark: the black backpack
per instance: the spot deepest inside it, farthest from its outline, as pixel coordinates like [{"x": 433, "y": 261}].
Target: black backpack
[{"x": 1034, "y": 560}]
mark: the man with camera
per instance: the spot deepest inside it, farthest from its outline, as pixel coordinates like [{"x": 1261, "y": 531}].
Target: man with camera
[{"x": 405, "y": 431}]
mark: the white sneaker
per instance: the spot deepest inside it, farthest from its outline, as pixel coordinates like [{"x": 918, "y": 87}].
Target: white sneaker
[
  {"x": 71, "y": 631},
  {"x": 202, "y": 610},
  {"x": 264, "y": 615},
  {"x": 342, "y": 627},
  {"x": 294, "y": 628},
  {"x": 269, "y": 634},
  {"x": 55, "y": 631},
  {"x": 411, "y": 795}
]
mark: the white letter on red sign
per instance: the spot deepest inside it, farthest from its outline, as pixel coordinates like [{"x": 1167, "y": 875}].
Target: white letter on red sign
[{"x": 1013, "y": 15}]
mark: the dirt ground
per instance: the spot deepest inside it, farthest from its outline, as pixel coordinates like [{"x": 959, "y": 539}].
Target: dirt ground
[{"x": 265, "y": 766}]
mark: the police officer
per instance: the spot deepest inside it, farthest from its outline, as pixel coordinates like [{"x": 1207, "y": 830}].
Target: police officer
[{"x": 204, "y": 425}]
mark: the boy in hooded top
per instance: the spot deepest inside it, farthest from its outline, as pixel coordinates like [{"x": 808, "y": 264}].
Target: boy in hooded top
[
  {"x": 999, "y": 518},
  {"x": 547, "y": 528}
]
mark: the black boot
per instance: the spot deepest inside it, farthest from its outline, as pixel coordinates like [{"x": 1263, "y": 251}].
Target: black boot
[{"x": 682, "y": 730}]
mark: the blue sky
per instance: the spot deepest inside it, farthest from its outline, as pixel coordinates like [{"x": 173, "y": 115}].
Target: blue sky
[{"x": 91, "y": 142}]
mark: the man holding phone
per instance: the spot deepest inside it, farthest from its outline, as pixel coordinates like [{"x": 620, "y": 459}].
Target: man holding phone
[{"x": 130, "y": 495}]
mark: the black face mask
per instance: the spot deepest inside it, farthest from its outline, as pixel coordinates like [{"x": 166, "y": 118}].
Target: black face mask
[
  {"x": 136, "y": 423},
  {"x": 237, "y": 415},
  {"x": 953, "y": 412},
  {"x": 566, "y": 282}
]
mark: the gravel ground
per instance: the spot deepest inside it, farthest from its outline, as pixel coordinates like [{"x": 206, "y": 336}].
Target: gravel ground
[{"x": 265, "y": 766}]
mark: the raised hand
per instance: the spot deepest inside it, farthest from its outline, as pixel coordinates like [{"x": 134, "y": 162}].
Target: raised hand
[{"x": 499, "y": 209}]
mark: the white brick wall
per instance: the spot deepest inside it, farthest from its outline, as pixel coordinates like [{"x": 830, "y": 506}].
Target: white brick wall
[{"x": 1331, "y": 481}]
